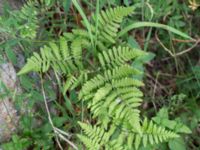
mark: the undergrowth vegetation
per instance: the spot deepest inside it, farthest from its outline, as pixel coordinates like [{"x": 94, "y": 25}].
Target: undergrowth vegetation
[{"x": 119, "y": 75}]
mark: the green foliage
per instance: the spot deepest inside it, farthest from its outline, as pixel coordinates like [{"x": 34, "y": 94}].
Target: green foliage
[
  {"x": 177, "y": 144},
  {"x": 108, "y": 24},
  {"x": 176, "y": 125},
  {"x": 23, "y": 23},
  {"x": 110, "y": 91},
  {"x": 31, "y": 133},
  {"x": 17, "y": 144},
  {"x": 63, "y": 57},
  {"x": 98, "y": 137},
  {"x": 93, "y": 71}
]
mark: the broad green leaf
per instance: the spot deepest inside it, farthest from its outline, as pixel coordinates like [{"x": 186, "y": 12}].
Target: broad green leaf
[
  {"x": 163, "y": 113},
  {"x": 181, "y": 128},
  {"x": 66, "y": 5},
  {"x": 175, "y": 125},
  {"x": 133, "y": 43},
  {"x": 177, "y": 144}
]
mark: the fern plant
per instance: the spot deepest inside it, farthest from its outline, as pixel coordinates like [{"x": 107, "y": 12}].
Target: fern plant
[
  {"x": 105, "y": 82},
  {"x": 22, "y": 23}
]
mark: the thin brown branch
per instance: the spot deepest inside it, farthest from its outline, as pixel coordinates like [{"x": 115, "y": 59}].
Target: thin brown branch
[{"x": 179, "y": 53}]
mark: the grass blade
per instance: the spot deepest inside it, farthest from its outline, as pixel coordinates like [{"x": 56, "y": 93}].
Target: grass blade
[
  {"x": 156, "y": 25},
  {"x": 80, "y": 10}
]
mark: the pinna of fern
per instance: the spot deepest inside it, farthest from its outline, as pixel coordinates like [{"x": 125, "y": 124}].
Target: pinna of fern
[{"x": 110, "y": 91}]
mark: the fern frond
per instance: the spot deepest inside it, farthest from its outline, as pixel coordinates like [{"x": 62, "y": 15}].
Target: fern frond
[
  {"x": 89, "y": 142},
  {"x": 114, "y": 145},
  {"x": 118, "y": 56},
  {"x": 81, "y": 33},
  {"x": 121, "y": 72},
  {"x": 73, "y": 81},
  {"x": 109, "y": 23},
  {"x": 69, "y": 82},
  {"x": 28, "y": 14},
  {"x": 102, "y": 93},
  {"x": 113, "y": 139},
  {"x": 154, "y": 134},
  {"x": 108, "y": 75},
  {"x": 66, "y": 55},
  {"x": 76, "y": 49},
  {"x": 117, "y": 75},
  {"x": 58, "y": 56},
  {"x": 125, "y": 82},
  {"x": 116, "y": 98},
  {"x": 77, "y": 52},
  {"x": 125, "y": 140},
  {"x": 97, "y": 134}
]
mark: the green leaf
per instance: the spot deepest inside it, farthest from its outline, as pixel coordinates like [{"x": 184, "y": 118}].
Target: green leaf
[
  {"x": 133, "y": 43},
  {"x": 175, "y": 125},
  {"x": 47, "y": 2},
  {"x": 183, "y": 129},
  {"x": 137, "y": 141},
  {"x": 26, "y": 82},
  {"x": 145, "y": 58},
  {"x": 163, "y": 113},
  {"x": 66, "y": 5},
  {"x": 171, "y": 124},
  {"x": 59, "y": 121},
  {"x": 11, "y": 55},
  {"x": 126, "y": 2},
  {"x": 139, "y": 64},
  {"x": 177, "y": 144}
]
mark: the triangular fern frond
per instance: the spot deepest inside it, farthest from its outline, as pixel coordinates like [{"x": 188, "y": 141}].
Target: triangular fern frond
[{"x": 58, "y": 56}]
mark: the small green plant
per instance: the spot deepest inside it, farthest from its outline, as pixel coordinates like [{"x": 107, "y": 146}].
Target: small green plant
[
  {"x": 23, "y": 23},
  {"x": 97, "y": 65}
]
